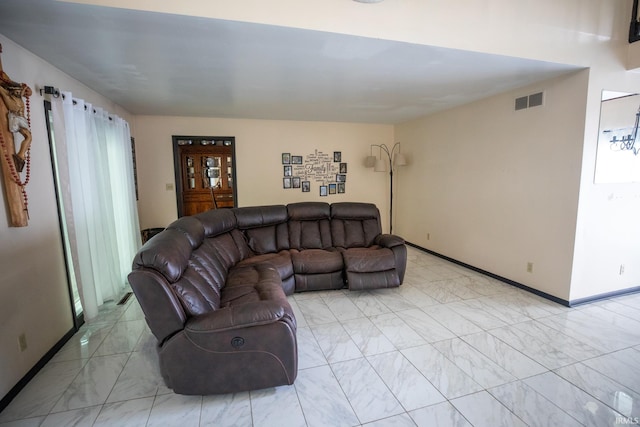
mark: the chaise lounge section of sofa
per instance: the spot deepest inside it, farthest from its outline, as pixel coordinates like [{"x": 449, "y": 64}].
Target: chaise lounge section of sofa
[{"x": 214, "y": 286}]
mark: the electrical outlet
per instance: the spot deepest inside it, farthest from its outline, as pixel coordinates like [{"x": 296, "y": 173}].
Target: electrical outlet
[
  {"x": 529, "y": 267},
  {"x": 22, "y": 342},
  {"x": 428, "y": 236},
  {"x": 621, "y": 269},
  {"x": 169, "y": 186}
]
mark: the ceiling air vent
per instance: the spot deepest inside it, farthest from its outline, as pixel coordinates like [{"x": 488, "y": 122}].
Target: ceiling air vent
[{"x": 533, "y": 100}]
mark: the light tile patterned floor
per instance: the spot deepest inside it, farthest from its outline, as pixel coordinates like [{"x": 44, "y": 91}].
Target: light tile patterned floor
[{"x": 450, "y": 347}]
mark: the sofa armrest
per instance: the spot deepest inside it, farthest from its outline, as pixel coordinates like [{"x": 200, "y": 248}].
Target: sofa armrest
[
  {"x": 241, "y": 316},
  {"x": 389, "y": 240}
]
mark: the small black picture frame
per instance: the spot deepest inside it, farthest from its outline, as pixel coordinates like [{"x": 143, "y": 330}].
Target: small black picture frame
[
  {"x": 332, "y": 189},
  {"x": 341, "y": 188},
  {"x": 306, "y": 186},
  {"x": 337, "y": 156},
  {"x": 286, "y": 183},
  {"x": 286, "y": 158},
  {"x": 341, "y": 177},
  {"x": 296, "y": 160},
  {"x": 323, "y": 190},
  {"x": 287, "y": 170},
  {"x": 295, "y": 182},
  {"x": 343, "y": 168}
]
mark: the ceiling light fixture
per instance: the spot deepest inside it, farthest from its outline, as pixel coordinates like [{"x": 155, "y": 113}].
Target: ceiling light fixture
[{"x": 368, "y": 1}]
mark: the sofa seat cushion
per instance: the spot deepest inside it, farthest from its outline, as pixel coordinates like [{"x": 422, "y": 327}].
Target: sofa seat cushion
[
  {"x": 281, "y": 261},
  {"x": 370, "y": 268},
  {"x": 315, "y": 261},
  {"x": 251, "y": 283},
  {"x": 366, "y": 260}
]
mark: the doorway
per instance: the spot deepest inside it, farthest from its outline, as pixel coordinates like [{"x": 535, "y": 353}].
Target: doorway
[{"x": 205, "y": 173}]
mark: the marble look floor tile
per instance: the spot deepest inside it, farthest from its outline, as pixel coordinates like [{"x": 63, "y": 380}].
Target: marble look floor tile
[
  {"x": 535, "y": 348},
  {"x": 40, "y": 395},
  {"x": 479, "y": 367},
  {"x": 621, "y": 366},
  {"x": 580, "y": 405},
  {"x": 477, "y": 315},
  {"x": 595, "y": 330},
  {"x": 93, "y": 383},
  {"x": 505, "y": 356},
  {"x": 453, "y": 321},
  {"x": 575, "y": 348},
  {"x": 438, "y": 291},
  {"x": 450, "y": 380},
  {"x": 309, "y": 352},
  {"x": 417, "y": 296},
  {"x": 531, "y": 407},
  {"x": 275, "y": 407},
  {"x": 442, "y": 414},
  {"x": 322, "y": 399},
  {"x": 393, "y": 299},
  {"x": 301, "y": 322},
  {"x": 147, "y": 342},
  {"x": 368, "y": 304},
  {"x": 409, "y": 386},
  {"x": 484, "y": 285},
  {"x": 175, "y": 410},
  {"x": 425, "y": 325},
  {"x": 482, "y": 409},
  {"x": 335, "y": 342},
  {"x": 316, "y": 312},
  {"x": 498, "y": 310},
  {"x": 132, "y": 413},
  {"x": 622, "y": 309},
  {"x": 122, "y": 338},
  {"x": 613, "y": 394},
  {"x": 367, "y": 393},
  {"x": 402, "y": 420},
  {"x": 84, "y": 343},
  {"x": 140, "y": 377},
  {"x": 27, "y": 422},
  {"x": 367, "y": 337},
  {"x": 397, "y": 331},
  {"x": 84, "y": 417},
  {"x": 342, "y": 307},
  {"x": 133, "y": 312},
  {"x": 448, "y": 271},
  {"x": 227, "y": 410},
  {"x": 457, "y": 286}
]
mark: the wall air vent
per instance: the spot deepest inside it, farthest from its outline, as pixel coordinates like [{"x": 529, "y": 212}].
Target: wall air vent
[{"x": 533, "y": 100}]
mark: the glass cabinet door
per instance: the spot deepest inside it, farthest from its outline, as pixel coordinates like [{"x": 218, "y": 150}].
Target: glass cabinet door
[
  {"x": 190, "y": 173},
  {"x": 229, "y": 172},
  {"x": 211, "y": 170}
]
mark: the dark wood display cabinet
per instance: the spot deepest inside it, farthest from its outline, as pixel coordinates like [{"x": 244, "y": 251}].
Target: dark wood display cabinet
[{"x": 205, "y": 173}]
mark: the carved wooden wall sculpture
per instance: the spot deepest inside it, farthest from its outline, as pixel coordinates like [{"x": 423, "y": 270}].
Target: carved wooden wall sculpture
[{"x": 15, "y": 128}]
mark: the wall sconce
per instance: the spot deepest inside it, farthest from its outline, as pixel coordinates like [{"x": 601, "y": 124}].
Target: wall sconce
[{"x": 379, "y": 164}]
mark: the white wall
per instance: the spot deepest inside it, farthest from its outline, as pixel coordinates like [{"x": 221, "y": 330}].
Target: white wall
[
  {"x": 33, "y": 289},
  {"x": 608, "y": 229},
  {"x": 259, "y": 146},
  {"x": 498, "y": 188}
]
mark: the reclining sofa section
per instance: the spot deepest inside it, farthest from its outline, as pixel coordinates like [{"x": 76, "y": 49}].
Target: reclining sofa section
[{"x": 214, "y": 286}]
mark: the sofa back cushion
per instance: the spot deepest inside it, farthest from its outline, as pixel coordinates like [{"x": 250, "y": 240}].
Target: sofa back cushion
[
  {"x": 194, "y": 254},
  {"x": 354, "y": 225},
  {"x": 265, "y": 227},
  {"x": 309, "y": 225}
]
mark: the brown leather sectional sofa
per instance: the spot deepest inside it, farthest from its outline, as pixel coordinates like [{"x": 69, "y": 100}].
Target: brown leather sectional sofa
[{"x": 213, "y": 286}]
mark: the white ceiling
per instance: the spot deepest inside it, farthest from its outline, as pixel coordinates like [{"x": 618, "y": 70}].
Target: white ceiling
[{"x": 161, "y": 64}]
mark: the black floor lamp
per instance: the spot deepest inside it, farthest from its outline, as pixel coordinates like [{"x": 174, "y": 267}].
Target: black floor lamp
[{"x": 379, "y": 164}]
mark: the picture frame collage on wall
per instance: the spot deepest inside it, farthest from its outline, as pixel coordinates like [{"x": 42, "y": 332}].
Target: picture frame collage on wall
[{"x": 331, "y": 173}]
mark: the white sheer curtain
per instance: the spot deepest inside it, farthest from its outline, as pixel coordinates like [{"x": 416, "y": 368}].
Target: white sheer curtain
[{"x": 95, "y": 168}]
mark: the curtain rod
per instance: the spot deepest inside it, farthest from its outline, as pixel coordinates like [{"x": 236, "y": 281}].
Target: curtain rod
[{"x": 50, "y": 90}]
